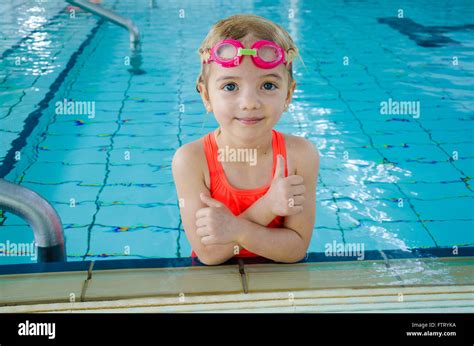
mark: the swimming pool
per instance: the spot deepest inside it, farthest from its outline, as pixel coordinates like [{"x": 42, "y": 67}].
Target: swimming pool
[{"x": 388, "y": 101}]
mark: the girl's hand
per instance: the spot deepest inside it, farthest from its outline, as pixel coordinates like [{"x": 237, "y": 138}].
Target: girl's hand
[
  {"x": 215, "y": 224},
  {"x": 285, "y": 196}
]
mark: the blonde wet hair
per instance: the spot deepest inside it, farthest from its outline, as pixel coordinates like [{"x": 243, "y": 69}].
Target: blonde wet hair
[{"x": 239, "y": 26}]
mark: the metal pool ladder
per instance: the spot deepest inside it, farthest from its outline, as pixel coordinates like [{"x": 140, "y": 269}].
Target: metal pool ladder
[
  {"x": 112, "y": 17},
  {"x": 41, "y": 216}
]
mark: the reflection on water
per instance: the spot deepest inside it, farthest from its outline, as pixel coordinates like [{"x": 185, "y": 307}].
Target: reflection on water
[{"x": 421, "y": 271}]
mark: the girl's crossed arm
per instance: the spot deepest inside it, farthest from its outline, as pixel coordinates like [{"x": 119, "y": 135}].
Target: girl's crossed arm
[
  {"x": 189, "y": 182},
  {"x": 217, "y": 225}
]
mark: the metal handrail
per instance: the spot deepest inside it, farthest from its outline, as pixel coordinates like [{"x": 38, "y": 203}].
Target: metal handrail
[
  {"x": 110, "y": 16},
  {"x": 40, "y": 215}
]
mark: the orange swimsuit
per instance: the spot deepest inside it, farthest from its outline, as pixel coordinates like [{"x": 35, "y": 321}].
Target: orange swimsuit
[{"x": 238, "y": 200}]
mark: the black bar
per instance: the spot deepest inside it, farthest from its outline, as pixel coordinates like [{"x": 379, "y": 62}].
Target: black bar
[{"x": 287, "y": 329}]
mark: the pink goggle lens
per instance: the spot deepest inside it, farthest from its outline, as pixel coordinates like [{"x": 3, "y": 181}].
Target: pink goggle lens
[
  {"x": 226, "y": 52},
  {"x": 269, "y": 53}
]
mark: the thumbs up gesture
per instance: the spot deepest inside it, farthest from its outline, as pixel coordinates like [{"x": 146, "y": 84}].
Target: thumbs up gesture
[
  {"x": 285, "y": 196},
  {"x": 215, "y": 224}
]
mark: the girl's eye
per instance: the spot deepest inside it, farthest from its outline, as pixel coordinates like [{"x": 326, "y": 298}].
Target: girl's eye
[
  {"x": 269, "y": 86},
  {"x": 230, "y": 87}
]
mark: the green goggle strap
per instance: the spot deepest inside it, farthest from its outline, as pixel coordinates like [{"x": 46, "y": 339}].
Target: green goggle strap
[{"x": 246, "y": 51}]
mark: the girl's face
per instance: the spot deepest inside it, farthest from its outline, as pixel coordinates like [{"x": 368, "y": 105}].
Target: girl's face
[{"x": 247, "y": 101}]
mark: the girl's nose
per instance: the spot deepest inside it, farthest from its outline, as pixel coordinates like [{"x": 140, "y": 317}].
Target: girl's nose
[{"x": 249, "y": 100}]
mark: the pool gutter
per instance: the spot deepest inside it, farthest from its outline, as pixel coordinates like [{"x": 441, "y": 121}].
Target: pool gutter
[{"x": 441, "y": 284}]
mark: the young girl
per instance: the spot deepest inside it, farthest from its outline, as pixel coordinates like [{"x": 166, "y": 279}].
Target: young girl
[{"x": 232, "y": 205}]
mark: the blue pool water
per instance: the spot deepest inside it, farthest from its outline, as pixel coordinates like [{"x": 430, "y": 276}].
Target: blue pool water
[{"x": 388, "y": 181}]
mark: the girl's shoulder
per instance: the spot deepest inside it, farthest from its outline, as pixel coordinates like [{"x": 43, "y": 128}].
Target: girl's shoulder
[
  {"x": 190, "y": 154},
  {"x": 296, "y": 144},
  {"x": 300, "y": 151},
  {"x": 189, "y": 161}
]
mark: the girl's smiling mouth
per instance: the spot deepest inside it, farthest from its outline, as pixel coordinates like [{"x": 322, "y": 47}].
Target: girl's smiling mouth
[{"x": 249, "y": 120}]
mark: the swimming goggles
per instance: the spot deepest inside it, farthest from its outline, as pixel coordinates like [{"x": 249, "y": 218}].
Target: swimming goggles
[{"x": 229, "y": 53}]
